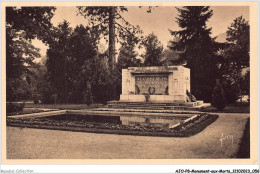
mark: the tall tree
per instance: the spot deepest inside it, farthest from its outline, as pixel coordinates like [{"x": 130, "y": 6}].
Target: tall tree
[
  {"x": 236, "y": 56},
  {"x": 22, "y": 25},
  {"x": 57, "y": 62},
  {"x": 70, "y": 61},
  {"x": 238, "y": 32},
  {"x": 197, "y": 48},
  {"x": 112, "y": 42},
  {"x": 153, "y": 51},
  {"x": 127, "y": 55},
  {"x": 83, "y": 46},
  {"x": 83, "y": 53},
  {"x": 238, "y": 36},
  {"x": 109, "y": 21}
]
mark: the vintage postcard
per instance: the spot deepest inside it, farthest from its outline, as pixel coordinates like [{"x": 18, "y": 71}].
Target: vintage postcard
[{"x": 129, "y": 82}]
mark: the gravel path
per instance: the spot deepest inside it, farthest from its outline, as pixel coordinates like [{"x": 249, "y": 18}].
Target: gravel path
[{"x": 24, "y": 143}]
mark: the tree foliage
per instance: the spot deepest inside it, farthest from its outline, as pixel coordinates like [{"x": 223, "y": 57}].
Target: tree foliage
[
  {"x": 98, "y": 17},
  {"x": 57, "y": 62},
  {"x": 238, "y": 35},
  {"x": 68, "y": 52},
  {"x": 77, "y": 72},
  {"x": 127, "y": 55},
  {"x": 153, "y": 51},
  {"x": 197, "y": 48},
  {"x": 108, "y": 22},
  {"x": 76, "y": 68},
  {"x": 34, "y": 21},
  {"x": 218, "y": 96},
  {"x": 246, "y": 83},
  {"x": 235, "y": 57},
  {"x": 238, "y": 32},
  {"x": 22, "y": 25}
]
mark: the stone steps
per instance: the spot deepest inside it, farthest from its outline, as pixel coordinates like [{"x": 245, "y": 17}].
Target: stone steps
[
  {"x": 140, "y": 104},
  {"x": 138, "y": 107},
  {"x": 112, "y": 103},
  {"x": 158, "y": 106},
  {"x": 147, "y": 111},
  {"x": 154, "y": 106}
]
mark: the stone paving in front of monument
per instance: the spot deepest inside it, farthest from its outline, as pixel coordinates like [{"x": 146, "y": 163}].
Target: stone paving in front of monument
[{"x": 24, "y": 143}]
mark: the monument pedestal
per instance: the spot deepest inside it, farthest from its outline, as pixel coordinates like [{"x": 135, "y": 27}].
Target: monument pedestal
[{"x": 153, "y": 98}]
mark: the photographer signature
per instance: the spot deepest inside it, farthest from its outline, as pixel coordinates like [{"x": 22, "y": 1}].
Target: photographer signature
[{"x": 224, "y": 138}]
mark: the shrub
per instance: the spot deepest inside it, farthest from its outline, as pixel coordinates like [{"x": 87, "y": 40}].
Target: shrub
[
  {"x": 17, "y": 90},
  {"x": 88, "y": 98},
  {"x": 36, "y": 99},
  {"x": 14, "y": 107},
  {"x": 218, "y": 98},
  {"x": 46, "y": 91},
  {"x": 231, "y": 94}
]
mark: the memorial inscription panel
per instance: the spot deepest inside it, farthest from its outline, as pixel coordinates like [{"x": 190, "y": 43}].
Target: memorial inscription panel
[{"x": 156, "y": 83}]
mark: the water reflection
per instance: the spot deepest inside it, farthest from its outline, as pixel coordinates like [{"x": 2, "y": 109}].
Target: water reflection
[
  {"x": 121, "y": 120},
  {"x": 149, "y": 121}
]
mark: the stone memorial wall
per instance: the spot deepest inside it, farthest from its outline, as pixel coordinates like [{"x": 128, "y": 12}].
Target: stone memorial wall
[
  {"x": 164, "y": 84},
  {"x": 157, "y": 84}
]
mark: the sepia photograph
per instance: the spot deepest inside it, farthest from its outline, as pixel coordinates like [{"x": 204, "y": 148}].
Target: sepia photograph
[{"x": 129, "y": 81}]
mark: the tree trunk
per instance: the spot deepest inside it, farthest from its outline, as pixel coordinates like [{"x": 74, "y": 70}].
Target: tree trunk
[
  {"x": 66, "y": 80},
  {"x": 112, "y": 44}
]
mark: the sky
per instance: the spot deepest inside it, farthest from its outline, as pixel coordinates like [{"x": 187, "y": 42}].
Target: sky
[{"x": 158, "y": 22}]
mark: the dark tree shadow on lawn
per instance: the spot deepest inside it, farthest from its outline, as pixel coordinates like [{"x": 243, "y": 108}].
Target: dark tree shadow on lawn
[{"x": 244, "y": 149}]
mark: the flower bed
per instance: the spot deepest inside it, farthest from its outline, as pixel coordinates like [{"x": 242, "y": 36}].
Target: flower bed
[{"x": 189, "y": 128}]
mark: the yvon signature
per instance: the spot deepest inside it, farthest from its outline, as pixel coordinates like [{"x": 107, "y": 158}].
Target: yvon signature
[{"x": 226, "y": 138}]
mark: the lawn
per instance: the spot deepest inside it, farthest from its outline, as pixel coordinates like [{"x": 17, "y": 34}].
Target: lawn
[
  {"x": 243, "y": 107},
  {"x": 30, "y": 108},
  {"x": 244, "y": 150},
  {"x": 63, "y": 106},
  {"x": 29, "y": 111}
]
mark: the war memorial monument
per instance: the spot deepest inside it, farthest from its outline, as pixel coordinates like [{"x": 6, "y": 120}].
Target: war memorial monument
[{"x": 163, "y": 87}]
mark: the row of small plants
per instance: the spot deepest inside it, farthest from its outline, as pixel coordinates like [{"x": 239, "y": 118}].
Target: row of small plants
[
  {"x": 179, "y": 130},
  {"x": 42, "y": 121},
  {"x": 186, "y": 125}
]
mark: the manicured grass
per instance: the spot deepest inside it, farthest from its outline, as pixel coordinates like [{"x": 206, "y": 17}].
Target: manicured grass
[
  {"x": 244, "y": 149},
  {"x": 62, "y": 106},
  {"x": 230, "y": 108},
  {"x": 27, "y": 111}
]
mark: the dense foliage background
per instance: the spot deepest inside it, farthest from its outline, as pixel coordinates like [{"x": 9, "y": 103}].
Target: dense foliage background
[{"x": 76, "y": 71}]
